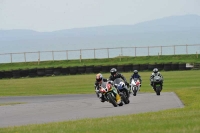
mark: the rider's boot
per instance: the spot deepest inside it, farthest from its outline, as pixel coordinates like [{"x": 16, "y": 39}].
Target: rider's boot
[
  {"x": 129, "y": 90},
  {"x": 152, "y": 85},
  {"x": 102, "y": 98},
  {"x": 97, "y": 94},
  {"x": 118, "y": 98}
]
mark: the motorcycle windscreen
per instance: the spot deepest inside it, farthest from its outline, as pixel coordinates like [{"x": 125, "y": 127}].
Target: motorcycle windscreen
[
  {"x": 117, "y": 80},
  {"x": 157, "y": 79},
  {"x": 103, "y": 84}
]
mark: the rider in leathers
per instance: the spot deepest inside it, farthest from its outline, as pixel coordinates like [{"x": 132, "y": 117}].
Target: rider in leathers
[
  {"x": 155, "y": 73},
  {"x": 99, "y": 78},
  {"x": 136, "y": 75},
  {"x": 114, "y": 74},
  {"x": 99, "y": 82}
]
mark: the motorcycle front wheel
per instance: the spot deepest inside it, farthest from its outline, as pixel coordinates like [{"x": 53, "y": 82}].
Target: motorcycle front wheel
[
  {"x": 158, "y": 89},
  {"x": 112, "y": 100},
  {"x": 134, "y": 91}
]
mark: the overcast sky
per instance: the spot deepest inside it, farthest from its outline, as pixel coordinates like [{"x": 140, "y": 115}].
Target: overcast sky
[{"x": 52, "y": 15}]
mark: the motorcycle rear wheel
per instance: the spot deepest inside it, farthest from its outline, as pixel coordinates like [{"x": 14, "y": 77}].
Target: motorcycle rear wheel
[{"x": 124, "y": 98}]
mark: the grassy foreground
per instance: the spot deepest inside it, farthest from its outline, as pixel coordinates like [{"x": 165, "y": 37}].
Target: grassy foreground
[{"x": 182, "y": 120}]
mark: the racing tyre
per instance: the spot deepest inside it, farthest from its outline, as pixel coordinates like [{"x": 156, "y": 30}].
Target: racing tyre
[
  {"x": 158, "y": 90},
  {"x": 134, "y": 91},
  {"x": 111, "y": 100},
  {"x": 124, "y": 99}
]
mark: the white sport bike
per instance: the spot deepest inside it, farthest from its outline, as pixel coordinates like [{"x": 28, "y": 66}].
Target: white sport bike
[{"x": 135, "y": 86}]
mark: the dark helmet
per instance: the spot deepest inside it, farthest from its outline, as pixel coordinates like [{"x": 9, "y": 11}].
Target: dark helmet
[
  {"x": 135, "y": 71},
  {"x": 99, "y": 77},
  {"x": 113, "y": 71},
  {"x": 155, "y": 70}
]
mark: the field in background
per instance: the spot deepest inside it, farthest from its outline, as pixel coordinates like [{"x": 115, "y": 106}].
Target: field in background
[{"x": 82, "y": 84}]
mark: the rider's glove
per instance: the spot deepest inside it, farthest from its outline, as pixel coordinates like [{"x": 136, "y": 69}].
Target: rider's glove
[
  {"x": 127, "y": 83},
  {"x": 97, "y": 91}
]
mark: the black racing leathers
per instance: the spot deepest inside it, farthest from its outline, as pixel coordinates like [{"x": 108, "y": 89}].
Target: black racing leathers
[
  {"x": 153, "y": 75},
  {"x": 118, "y": 75}
]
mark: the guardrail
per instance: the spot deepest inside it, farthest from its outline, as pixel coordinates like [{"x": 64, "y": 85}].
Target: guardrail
[{"x": 99, "y": 53}]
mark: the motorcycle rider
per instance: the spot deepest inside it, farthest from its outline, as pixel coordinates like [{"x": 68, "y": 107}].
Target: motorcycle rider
[
  {"x": 114, "y": 74},
  {"x": 155, "y": 73},
  {"x": 97, "y": 84},
  {"x": 99, "y": 81},
  {"x": 136, "y": 75}
]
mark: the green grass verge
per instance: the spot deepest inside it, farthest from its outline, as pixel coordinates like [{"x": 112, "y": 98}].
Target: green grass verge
[
  {"x": 182, "y": 120},
  {"x": 192, "y": 58}
]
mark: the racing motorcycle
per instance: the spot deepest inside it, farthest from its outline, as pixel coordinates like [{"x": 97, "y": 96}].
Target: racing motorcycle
[
  {"x": 157, "y": 84},
  {"x": 135, "y": 86},
  {"x": 122, "y": 90},
  {"x": 109, "y": 93}
]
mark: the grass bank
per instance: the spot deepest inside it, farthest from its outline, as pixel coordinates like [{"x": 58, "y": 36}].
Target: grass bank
[{"x": 192, "y": 58}]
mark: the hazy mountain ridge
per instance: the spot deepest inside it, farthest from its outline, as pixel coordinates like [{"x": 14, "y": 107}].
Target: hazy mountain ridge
[{"x": 170, "y": 30}]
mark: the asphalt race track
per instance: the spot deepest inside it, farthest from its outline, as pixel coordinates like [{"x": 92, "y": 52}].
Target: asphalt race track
[{"x": 55, "y": 108}]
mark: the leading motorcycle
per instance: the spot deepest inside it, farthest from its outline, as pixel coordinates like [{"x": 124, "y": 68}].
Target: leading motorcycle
[{"x": 109, "y": 93}]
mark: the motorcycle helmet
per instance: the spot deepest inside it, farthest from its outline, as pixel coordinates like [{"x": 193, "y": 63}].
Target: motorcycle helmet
[
  {"x": 155, "y": 70},
  {"x": 99, "y": 77},
  {"x": 135, "y": 71},
  {"x": 113, "y": 71}
]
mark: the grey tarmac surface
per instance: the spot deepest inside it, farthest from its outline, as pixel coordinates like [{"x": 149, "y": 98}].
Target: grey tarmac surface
[{"x": 56, "y": 108}]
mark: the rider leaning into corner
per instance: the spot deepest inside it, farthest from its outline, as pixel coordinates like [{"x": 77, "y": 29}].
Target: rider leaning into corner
[
  {"x": 153, "y": 74},
  {"x": 114, "y": 74},
  {"x": 98, "y": 83}
]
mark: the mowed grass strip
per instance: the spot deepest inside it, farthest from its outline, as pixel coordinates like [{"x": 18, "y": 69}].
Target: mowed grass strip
[
  {"x": 184, "y": 83},
  {"x": 82, "y": 84}
]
